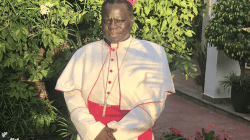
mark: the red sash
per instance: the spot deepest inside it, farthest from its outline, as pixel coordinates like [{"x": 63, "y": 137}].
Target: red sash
[{"x": 114, "y": 113}]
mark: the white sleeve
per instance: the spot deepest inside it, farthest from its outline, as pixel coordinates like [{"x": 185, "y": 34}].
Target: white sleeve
[
  {"x": 137, "y": 121},
  {"x": 88, "y": 128}
]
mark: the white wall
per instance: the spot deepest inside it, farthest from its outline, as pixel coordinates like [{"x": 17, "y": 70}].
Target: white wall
[{"x": 218, "y": 65}]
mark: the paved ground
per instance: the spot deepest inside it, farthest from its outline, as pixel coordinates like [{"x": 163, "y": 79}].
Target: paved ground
[{"x": 188, "y": 117}]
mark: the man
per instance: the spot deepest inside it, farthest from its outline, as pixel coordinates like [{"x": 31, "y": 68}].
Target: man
[{"x": 116, "y": 88}]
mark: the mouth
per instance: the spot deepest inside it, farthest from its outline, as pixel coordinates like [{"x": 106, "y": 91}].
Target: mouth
[{"x": 114, "y": 34}]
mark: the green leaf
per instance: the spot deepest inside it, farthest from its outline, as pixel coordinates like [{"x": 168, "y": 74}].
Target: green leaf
[
  {"x": 10, "y": 43},
  {"x": 147, "y": 10},
  {"x": 152, "y": 22},
  {"x": 5, "y": 33},
  {"x": 39, "y": 76},
  {"x": 65, "y": 22},
  {"x": 53, "y": 128},
  {"x": 1, "y": 56},
  {"x": 56, "y": 39},
  {"x": 195, "y": 10},
  {"x": 1, "y": 74},
  {"x": 25, "y": 31},
  {"x": 183, "y": 3},
  {"x": 44, "y": 73},
  {"x": 210, "y": 135},
  {"x": 164, "y": 25},
  {"x": 145, "y": 29},
  {"x": 189, "y": 33}
]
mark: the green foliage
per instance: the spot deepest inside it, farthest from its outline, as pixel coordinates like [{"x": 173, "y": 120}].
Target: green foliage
[
  {"x": 67, "y": 128},
  {"x": 208, "y": 135},
  {"x": 169, "y": 23},
  {"x": 23, "y": 114},
  {"x": 169, "y": 136},
  {"x": 201, "y": 57},
  {"x": 236, "y": 81},
  {"x": 203, "y": 134},
  {"x": 30, "y": 31},
  {"x": 225, "y": 29},
  {"x": 90, "y": 28}
]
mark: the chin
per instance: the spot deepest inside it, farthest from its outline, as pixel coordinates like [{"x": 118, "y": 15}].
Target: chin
[{"x": 114, "y": 40}]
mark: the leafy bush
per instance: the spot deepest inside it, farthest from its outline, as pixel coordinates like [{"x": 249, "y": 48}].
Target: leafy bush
[
  {"x": 31, "y": 32},
  {"x": 225, "y": 30},
  {"x": 24, "y": 114}
]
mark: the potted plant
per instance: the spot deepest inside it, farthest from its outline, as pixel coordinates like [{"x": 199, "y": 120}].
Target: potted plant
[{"x": 225, "y": 31}]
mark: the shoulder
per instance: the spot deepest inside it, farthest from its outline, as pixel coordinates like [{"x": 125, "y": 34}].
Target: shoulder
[
  {"x": 150, "y": 46},
  {"x": 88, "y": 47}
]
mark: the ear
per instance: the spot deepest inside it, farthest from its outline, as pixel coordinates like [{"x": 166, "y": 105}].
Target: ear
[{"x": 132, "y": 20}]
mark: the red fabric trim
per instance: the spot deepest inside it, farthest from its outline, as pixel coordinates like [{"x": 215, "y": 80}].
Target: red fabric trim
[
  {"x": 108, "y": 46},
  {"x": 68, "y": 91},
  {"x": 146, "y": 112},
  {"x": 148, "y": 103},
  {"x": 98, "y": 76},
  {"x": 169, "y": 92}
]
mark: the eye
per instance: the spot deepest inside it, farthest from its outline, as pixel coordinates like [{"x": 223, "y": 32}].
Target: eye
[
  {"x": 107, "y": 21},
  {"x": 120, "y": 21}
]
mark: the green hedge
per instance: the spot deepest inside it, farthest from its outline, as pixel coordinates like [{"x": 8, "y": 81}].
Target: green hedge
[{"x": 225, "y": 29}]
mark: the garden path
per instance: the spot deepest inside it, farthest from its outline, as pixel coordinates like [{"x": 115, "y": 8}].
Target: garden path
[{"x": 189, "y": 117}]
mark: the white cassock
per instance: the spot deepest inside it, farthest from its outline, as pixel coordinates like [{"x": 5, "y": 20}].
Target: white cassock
[{"x": 133, "y": 74}]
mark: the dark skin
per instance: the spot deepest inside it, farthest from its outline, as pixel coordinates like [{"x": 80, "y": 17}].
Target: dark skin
[
  {"x": 116, "y": 24},
  {"x": 106, "y": 134}
]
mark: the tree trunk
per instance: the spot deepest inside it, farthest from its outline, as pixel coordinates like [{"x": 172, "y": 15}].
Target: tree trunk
[{"x": 242, "y": 68}]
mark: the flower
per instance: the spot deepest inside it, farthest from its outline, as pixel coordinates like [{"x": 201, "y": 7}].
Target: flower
[
  {"x": 198, "y": 132},
  {"x": 12, "y": 139},
  {"x": 175, "y": 131},
  {"x": 48, "y": 5},
  {"x": 211, "y": 125},
  {"x": 4, "y": 134},
  {"x": 206, "y": 130},
  {"x": 43, "y": 7},
  {"x": 43, "y": 12}
]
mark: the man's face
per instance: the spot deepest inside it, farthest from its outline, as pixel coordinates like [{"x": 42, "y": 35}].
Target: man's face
[{"x": 117, "y": 22}]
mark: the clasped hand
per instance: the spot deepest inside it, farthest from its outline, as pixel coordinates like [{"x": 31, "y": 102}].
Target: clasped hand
[{"x": 106, "y": 134}]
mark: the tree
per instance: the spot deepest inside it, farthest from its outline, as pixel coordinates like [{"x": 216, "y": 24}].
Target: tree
[{"x": 225, "y": 30}]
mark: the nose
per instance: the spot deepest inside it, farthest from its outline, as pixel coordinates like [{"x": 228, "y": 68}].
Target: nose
[{"x": 113, "y": 25}]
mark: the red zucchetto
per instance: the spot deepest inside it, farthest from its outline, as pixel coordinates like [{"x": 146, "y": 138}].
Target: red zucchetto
[{"x": 131, "y": 1}]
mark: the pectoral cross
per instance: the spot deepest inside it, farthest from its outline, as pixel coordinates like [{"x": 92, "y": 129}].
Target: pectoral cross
[{"x": 104, "y": 108}]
